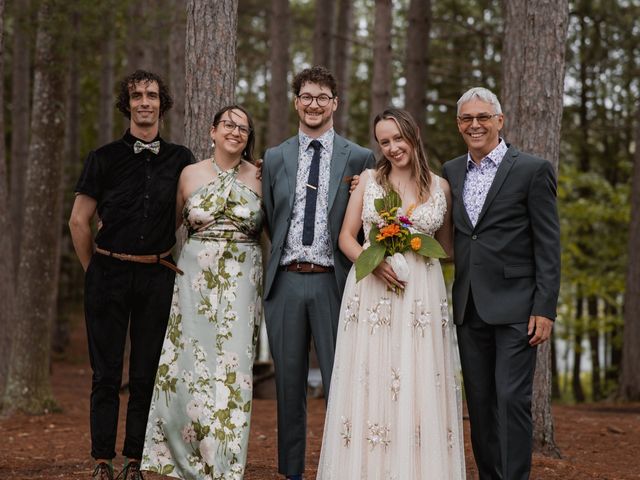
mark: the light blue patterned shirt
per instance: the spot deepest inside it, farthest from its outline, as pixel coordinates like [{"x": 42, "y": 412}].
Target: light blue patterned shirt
[
  {"x": 319, "y": 252},
  {"x": 479, "y": 179}
]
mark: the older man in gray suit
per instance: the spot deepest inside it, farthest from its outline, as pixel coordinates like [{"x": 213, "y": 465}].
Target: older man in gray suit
[
  {"x": 507, "y": 259},
  {"x": 305, "y": 184}
]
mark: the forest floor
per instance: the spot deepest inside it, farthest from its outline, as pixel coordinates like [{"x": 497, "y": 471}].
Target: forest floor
[{"x": 597, "y": 441}]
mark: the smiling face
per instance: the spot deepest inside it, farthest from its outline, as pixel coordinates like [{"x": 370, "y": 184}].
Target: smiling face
[
  {"x": 230, "y": 134},
  {"x": 144, "y": 105},
  {"x": 483, "y": 137},
  {"x": 314, "y": 119},
  {"x": 393, "y": 145}
]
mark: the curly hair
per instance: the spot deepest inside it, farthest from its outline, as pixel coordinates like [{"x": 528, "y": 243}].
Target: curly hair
[
  {"x": 247, "y": 153},
  {"x": 411, "y": 134},
  {"x": 316, "y": 74},
  {"x": 122, "y": 102}
]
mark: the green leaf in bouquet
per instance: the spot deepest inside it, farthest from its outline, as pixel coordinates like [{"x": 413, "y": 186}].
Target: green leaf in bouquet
[
  {"x": 388, "y": 202},
  {"x": 429, "y": 246},
  {"x": 368, "y": 260},
  {"x": 373, "y": 233}
]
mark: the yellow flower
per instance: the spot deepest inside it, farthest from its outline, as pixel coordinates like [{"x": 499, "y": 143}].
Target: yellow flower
[{"x": 416, "y": 243}]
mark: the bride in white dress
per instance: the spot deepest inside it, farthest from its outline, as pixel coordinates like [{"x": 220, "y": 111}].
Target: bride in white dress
[{"x": 394, "y": 409}]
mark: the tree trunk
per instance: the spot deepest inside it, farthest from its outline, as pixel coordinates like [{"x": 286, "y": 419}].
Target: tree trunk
[
  {"x": 107, "y": 80},
  {"x": 594, "y": 348},
  {"x": 629, "y": 388},
  {"x": 7, "y": 290},
  {"x": 28, "y": 384},
  {"x": 612, "y": 372},
  {"x": 323, "y": 33},
  {"x": 177, "y": 36},
  {"x": 279, "y": 36},
  {"x": 71, "y": 274},
  {"x": 20, "y": 95},
  {"x": 533, "y": 81},
  {"x": 210, "y": 66},
  {"x": 417, "y": 62},
  {"x": 342, "y": 59},
  {"x": 381, "y": 80},
  {"x": 576, "y": 384},
  {"x": 555, "y": 382}
]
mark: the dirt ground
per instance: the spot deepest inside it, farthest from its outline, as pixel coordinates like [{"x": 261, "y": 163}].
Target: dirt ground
[{"x": 597, "y": 441}]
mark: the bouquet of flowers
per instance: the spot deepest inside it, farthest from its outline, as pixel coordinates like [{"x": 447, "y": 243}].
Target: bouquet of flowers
[{"x": 391, "y": 238}]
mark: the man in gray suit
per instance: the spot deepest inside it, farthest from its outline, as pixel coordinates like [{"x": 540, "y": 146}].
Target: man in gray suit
[
  {"x": 305, "y": 186},
  {"x": 507, "y": 278}
]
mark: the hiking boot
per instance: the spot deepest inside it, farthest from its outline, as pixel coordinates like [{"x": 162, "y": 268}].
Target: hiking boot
[
  {"x": 103, "y": 471},
  {"x": 131, "y": 471}
]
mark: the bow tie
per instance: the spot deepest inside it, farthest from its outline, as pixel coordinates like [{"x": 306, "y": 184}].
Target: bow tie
[{"x": 153, "y": 146}]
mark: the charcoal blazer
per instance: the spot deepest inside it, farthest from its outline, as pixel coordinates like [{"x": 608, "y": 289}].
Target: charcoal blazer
[
  {"x": 279, "y": 173},
  {"x": 510, "y": 260}
]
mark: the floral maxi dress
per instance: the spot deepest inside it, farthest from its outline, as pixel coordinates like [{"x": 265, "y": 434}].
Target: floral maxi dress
[
  {"x": 198, "y": 425},
  {"x": 394, "y": 409}
]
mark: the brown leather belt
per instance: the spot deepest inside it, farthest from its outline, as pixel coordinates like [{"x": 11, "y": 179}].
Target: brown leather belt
[
  {"x": 125, "y": 257},
  {"x": 304, "y": 267}
]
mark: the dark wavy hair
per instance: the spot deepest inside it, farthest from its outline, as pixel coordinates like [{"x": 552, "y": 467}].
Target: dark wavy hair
[
  {"x": 247, "y": 153},
  {"x": 419, "y": 164},
  {"x": 122, "y": 102},
  {"x": 317, "y": 74}
]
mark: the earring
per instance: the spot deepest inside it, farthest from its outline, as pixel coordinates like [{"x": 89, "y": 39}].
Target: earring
[{"x": 213, "y": 144}]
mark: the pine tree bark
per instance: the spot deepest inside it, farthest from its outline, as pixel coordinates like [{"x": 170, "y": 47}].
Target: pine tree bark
[
  {"x": 71, "y": 274},
  {"x": 177, "y": 36},
  {"x": 629, "y": 385},
  {"x": 417, "y": 62},
  {"x": 381, "y": 79},
  {"x": 594, "y": 348},
  {"x": 323, "y": 33},
  {"x": 107, "y": 78},
  {"x": 533, "y": 80},
  {"x": 342, "y": 59},
  {"x": 20, "y": 103},
  {"x": 279, "y": 36},
  {"x": 7, "y": 290},
  {"x": 28, "y": 384},
  {"x": 210, "y": 66}
]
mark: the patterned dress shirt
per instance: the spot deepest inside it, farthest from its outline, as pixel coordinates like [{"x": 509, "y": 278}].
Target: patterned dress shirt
[
  {"x": 319, "y": 252},
  {"x": 479, "y": 179}
]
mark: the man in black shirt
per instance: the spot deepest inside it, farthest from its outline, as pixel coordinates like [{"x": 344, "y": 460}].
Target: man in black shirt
[{"x": 131, "y": 184}]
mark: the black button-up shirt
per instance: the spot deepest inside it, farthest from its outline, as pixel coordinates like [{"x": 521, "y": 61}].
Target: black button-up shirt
[{"x": 136, "y": 194}]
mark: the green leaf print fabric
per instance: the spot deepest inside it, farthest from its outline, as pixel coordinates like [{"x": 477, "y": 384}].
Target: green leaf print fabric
[{"x": 199, "y": 419}]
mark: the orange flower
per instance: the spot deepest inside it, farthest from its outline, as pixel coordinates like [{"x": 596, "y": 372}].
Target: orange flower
[
  {"x": 390, "y": 230},
  {"x": 416, "y": 243}
]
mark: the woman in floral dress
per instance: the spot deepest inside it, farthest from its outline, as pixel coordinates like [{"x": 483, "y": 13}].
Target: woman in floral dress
[
  {"x": 394, "y": 410},
  {"x": 198, "y": 425}
]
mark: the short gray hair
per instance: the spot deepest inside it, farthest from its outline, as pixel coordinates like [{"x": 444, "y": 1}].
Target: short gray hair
[{"x": 482, "y": 94}]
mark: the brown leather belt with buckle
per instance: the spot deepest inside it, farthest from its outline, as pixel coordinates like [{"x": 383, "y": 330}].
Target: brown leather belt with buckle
[
  {"x": 305, "y": 267},
  {"x": 125, "y": 257}
]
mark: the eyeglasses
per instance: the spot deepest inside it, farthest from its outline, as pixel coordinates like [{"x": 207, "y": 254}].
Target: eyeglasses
[
  {"x": 230, "y": 126},
  {"x": 482, "y": 118},
  {"x": 322, "y": 100}
]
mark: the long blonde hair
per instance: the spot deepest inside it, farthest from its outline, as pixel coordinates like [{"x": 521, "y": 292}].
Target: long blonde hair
[{"x": 411, "y": 134}]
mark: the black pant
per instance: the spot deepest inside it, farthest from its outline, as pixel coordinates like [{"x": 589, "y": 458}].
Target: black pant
[
  {"x": 498, "y": 366},
  {"x": 118, "y": 293}
]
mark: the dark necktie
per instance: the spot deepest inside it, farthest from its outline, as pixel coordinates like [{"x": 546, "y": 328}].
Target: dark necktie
[{"x": 312, "y": 195}]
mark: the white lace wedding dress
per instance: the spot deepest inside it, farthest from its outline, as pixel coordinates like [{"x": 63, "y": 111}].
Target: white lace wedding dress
[{"x": 394, "y": 410}]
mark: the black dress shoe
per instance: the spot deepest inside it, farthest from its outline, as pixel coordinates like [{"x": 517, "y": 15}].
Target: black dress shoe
[
  {"x": 294, "y": 477},
  {"x": 103, "y": 471},
  {"x": 131, "y": 471}
]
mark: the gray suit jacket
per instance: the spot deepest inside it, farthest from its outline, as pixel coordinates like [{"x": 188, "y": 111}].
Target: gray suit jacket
[
  {"x": 511, "y": 259},
  {"x": 278, "y": 189}
]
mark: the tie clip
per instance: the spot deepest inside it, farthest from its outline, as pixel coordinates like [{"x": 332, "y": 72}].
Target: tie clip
[{"x": 311, "y": 186}]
